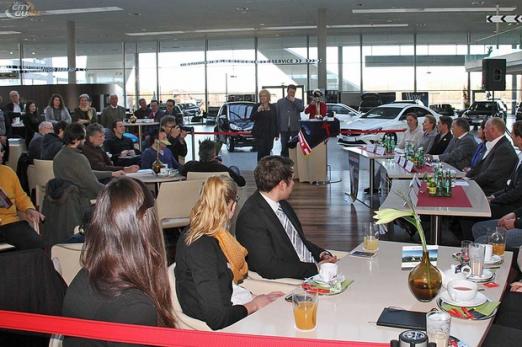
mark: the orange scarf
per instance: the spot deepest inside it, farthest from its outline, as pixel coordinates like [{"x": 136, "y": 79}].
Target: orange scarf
[{"x": 235, "y": 254}]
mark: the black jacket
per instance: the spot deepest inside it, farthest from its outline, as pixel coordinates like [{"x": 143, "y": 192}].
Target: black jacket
[
  {"x": 270, "y": 251},
  {"x": 492, "y": 172},
  {"x": 51, "y": 145},
  {"x": 178, "y": 148},
  {"x": 512, "y": 193},
  {"x": 204, "y": 283},
  {"x": 265, "y": 123},
  {"x": 211, "y": 166},
  {"x": 440, "y": 144}
]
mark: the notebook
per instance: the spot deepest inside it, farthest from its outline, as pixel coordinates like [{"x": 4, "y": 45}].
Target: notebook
[{"x": 397, "y": 318}]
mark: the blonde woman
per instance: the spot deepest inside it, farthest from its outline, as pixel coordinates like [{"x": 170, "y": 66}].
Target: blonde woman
[
  {"x": 210, "y": 262},
  {"x": 265, "y": 125}
]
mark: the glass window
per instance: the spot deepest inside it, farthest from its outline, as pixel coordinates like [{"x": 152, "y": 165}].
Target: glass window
[
  {"x": 103, "y": 63},
  {"x": 40, "y": 60},
  {"x": 383, "y": 113},
  {"x": 240, "y": 112},
  {"x": 182, "y": 71},
  {"x": 9, "y": 56},
  {"x": 147, "y": 70},
  {"x": 388, "y": 62}
]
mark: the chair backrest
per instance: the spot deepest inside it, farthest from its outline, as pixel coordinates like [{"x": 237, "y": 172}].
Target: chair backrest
[
  {"x": 66, "y": 259},
  {"x": 204, "y": 175},
  {"x": 42, "y": 173},
  {"x": 176, "y": 199},
  {"x": 31, "y": 177}
]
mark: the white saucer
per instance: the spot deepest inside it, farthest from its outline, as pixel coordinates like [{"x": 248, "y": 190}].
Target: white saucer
[
  {"x": 493, "y": 260},
  {"x": 478, "y": 300},
  {"x": 486, "y": 276}
]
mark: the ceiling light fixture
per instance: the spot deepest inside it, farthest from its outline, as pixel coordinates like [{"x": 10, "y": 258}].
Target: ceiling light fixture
[
  {"x": 295, "y": 27},
  {"x": 9, "y": 32},
  {"x": 433, "y": 10},
  {"x": 222, "y": 30},
  {"x": 152, "y": 33},
  {"x": 74, "y": 11},
  {"x": 348, "y": 26}
]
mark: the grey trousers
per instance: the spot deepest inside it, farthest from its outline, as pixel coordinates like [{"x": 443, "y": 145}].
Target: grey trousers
[{"x": 482, "y": 230}]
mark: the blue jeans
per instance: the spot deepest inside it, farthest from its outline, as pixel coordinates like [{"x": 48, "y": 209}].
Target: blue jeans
[{"x": 482, "y": 230}]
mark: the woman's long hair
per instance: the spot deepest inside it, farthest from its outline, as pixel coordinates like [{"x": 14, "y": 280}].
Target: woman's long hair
[
  {"x": 124, "y": 246},
  {"x": 210, "y": 214}
]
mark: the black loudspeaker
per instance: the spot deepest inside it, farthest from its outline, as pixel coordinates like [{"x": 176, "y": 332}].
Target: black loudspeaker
[{"x": 494, "y": 74}]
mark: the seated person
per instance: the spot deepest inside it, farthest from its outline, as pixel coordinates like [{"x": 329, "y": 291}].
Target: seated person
[
  {"x": 269, "y": 229},
  {"x": 144, "y": 111},
  {"x": 496, "y": 165},
  {"x": 208, "y": 162},
  {"x": 429, "y": 133},
  {"x": 460, "y": 150},
  {"x": 413, "y": 134},
  {"x": 124, "y": 276},
  {"x": 443, "y": 137},
  {"x": 160, "y": 145},
  {"x": 97, "y": 157},
  {"x": 120, "y": 147},
  {"x": 175, "y": 135},
  {"x": 481, "y": 147},
  {"x": 35, "y": 146},
  {"x": 53, "y": 141},
  {"x": 210, "y": 263},
  {"x": 14, "y": 203},
  {"x": 510, "y": 197},
  {"x": 71, "y": 165},
  {"x": 512, "y": 222},
  {"x": 174, "y": 111}
]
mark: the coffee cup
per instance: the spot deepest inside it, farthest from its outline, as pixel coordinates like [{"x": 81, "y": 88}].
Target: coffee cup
[
  {"x": 461, "y": 290},
  {"x": 488, "y": 252},
  {"x": 328, "y": 271}
]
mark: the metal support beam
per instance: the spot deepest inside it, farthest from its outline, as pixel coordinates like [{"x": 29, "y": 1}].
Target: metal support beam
[{"x": 71, "y": 51}]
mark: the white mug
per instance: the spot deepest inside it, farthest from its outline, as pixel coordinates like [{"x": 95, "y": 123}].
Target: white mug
[
  {"x": 461, "y": 290},
  {"x": 328, "y": 271}
]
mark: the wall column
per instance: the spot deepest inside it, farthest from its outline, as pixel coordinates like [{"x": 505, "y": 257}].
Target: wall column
[
  {"x": 321, "y": 49},
  {"x": 71, "y": 51}
]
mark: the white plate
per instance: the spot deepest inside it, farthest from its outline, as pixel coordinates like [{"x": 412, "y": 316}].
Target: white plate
[
  {"x": 493, "y": 260},
  {"x": 478, "y": 300},
  {"x": 486, "y": 275}
]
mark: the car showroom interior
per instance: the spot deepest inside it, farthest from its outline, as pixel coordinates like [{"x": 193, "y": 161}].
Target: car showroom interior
[{"x": 261, "y": 173}]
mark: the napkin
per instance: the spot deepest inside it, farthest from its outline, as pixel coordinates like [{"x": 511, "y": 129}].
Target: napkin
[
  {"x": 484, "y": 310},
  {"x": 334, "y": 287}
]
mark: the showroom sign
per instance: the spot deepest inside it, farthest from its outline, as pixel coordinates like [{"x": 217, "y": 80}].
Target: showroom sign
[
  {"x": 289, "y": 61},
  {"x": 21, "y": 9}
]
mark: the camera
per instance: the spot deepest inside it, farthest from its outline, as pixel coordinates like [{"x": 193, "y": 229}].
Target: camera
[{"x": 187, "y": 129}]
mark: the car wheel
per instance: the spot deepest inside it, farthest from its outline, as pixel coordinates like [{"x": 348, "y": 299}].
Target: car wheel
[{"x": 230, "y": 144}]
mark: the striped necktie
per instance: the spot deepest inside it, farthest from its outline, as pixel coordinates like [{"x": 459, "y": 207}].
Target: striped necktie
[{"x": 302, "y": 252}]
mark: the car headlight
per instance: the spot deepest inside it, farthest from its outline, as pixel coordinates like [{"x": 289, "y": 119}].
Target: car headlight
[{"x": 234, "y": 127}]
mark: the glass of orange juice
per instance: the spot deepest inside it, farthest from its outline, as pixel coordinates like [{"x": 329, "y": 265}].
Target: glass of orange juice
[
  {"x": 305, "y": 310},
  {"x": 371, "y": 239}
]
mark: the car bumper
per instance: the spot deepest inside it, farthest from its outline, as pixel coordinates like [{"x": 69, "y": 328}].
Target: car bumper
[{"x": 363, "y": 138}]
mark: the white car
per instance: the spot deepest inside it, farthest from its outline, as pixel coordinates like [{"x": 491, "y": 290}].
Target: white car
[
  {"x": 384, "y": 117},
  {"x": 342, "y": 112}
]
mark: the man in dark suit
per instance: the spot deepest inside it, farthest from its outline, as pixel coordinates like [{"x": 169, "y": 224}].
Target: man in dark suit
[
  {"x": 461, "y": 147},
  {"x": 443, "y": 137},
  {"x": 509, "y": 198},
  {"x": 143, "y": 112},
  {"x": 155, "y": 112},
  {"x": 269, "y": 229},
  {"x": 15, "y": 107},
  {"x": 496, "y": 165}
]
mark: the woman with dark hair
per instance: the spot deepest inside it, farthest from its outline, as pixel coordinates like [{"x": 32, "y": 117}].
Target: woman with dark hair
[
  {"x": 210, "y": 262},
  {"x": 56, "y": 110},
  {"x": 31, "y": 119},
  {"x": 124, "y": 274}
]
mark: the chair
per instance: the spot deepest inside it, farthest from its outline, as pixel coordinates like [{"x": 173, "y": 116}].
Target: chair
[
  {"x": 31, "y": 178},
  {"x": 204, "y": 175},
  {"x": 66, "y": 260},
  {"x": 5, "y": 246},
  {"x": 16, "y": 148},
  {"x": 175, "y": 201},
  {"x": 182, "y": 320},
  {"x": 43, "y": 173}
]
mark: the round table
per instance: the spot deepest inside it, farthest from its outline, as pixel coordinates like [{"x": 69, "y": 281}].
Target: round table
[{"x": 148, "y": 176}]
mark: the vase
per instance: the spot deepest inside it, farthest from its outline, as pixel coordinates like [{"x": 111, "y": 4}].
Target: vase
[{"x": 425, "y": 279}]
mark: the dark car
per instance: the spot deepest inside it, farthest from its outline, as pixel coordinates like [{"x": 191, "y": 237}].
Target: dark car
[
  {"x": 443, "y": 109},
  {"x": 211, "y": 115},
  {"x": 519, "y": 112},
  {"x": 190, "y": 109},
  {"x": 369, "y": 101},
  {"x": 236, "y": 116},
  {"x": 481, "y": 110}
]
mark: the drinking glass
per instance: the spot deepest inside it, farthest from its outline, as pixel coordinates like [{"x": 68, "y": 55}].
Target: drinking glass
[
  {"x": 476, "y": 259},
  {"x": 464, "y": 251},
  {"x": 305, "y": 310},
  {"x": 371, "y": 239},
  {"x": 438, "y": 325}
]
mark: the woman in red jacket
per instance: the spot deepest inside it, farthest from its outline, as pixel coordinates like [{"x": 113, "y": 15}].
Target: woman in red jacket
[{"x": 316, "y": 108}]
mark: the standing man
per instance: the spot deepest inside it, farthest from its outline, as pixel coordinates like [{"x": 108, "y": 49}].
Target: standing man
[
  {"x": 15, "y": 106},
  {"x": 112, "y": 113},
  {"x": 288, "y": 115}
]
